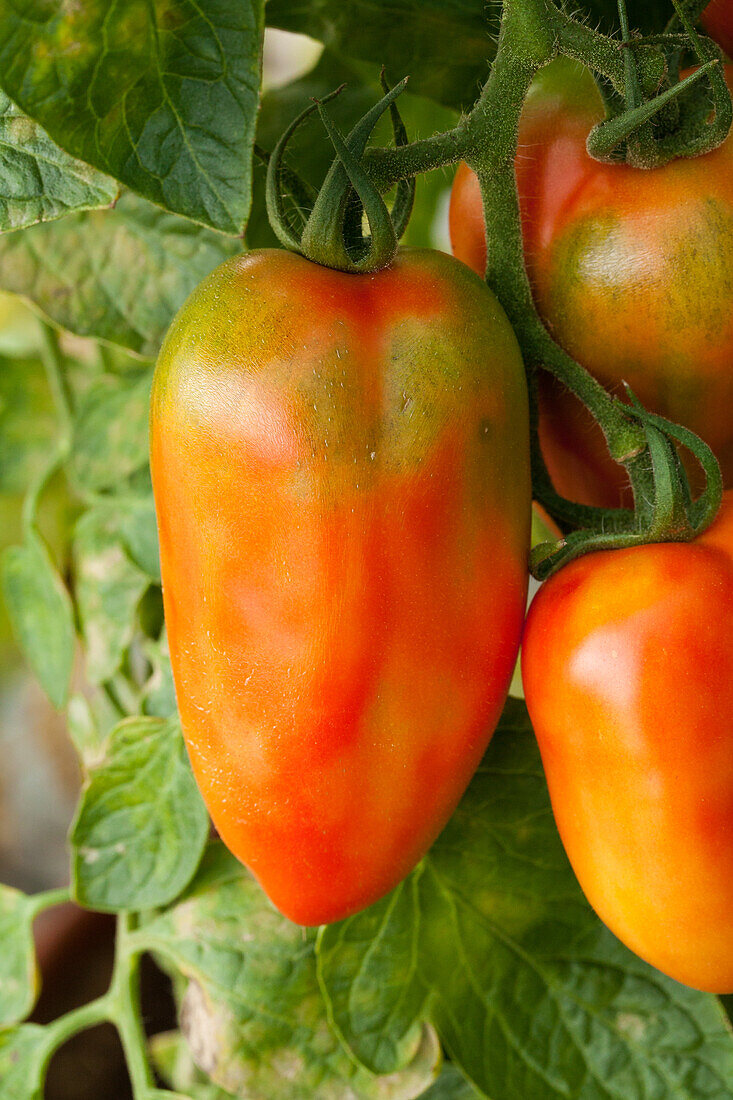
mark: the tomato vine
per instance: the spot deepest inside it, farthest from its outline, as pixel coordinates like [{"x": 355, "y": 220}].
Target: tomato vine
[
  {"x": 365, "y": 1007},
  {"x": 533, "y": 32}
]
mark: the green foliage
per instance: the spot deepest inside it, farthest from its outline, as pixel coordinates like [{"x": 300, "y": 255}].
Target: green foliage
[
  {"x": 23, "y": 1057},
  {"x": 141, "y": 825},
  {"x": 18, "y": 983},
  {"x": 159, "y": 694},
  {"x": 444, "y": 46},
  {"x": 451, "y": 1085},
  {"x": 27, "y": 423},
  {"x": 40, "y": 612},
  {"x": 488, "y": 950},
  {"x": 491, "y": 940},
  {"x": 111, "y": 431},
  {"x": 116, "y": 275},
  {"x": 162, "y": 96},
  {"x": 40, "y": 181},
  {"x": 173, "y": 1061},
  {"x": 108, "y": 589},
  {"x": 252, "y": 1010}
]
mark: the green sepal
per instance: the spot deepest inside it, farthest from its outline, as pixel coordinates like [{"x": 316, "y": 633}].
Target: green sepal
[
  {"x": 665, "y": 510},
  {"x": 405, "y": 194},
  {"x": 279, "y": 177},
  {"x": 332, "y": 233}
]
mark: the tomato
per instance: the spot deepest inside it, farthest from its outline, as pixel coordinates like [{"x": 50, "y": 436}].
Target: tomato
[
  {"x": 341, "y": 474},
  {"x": 631, "y": 270},
  {"x": 627, "y": 662},
  {"x": 717, "y": 19}
]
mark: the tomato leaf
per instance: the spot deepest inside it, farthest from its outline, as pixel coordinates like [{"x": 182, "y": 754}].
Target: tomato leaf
[
  {"x": 444, "y": 46},
  {"x": 253, "y": 1013},
  {"x": 451, "y": 1085},
  {"x": 18, "y": 975},
  {"x": 117, "y": 275},
  {"x": 141, "y": 826},
  {"x": 111, "y": 431},
  {"x": 83, "y": 729},
  {"x": 24, "y": 1054},
  {"x": 162, "y": 96},
  {"x": 41, "y": 614},
  {"x": 39, "y": 181},
  {"x": 172, "y": 1059},
  {"x": 108, "y": 589},
  {"x": 28, "y": 423},
  {"x": 159, "y": 693},
  {"x": 139, "y": 533},
  {"x": 492, "y": 940}
]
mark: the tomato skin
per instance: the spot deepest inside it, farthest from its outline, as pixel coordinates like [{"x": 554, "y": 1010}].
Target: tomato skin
[
  {"x": 340, "y": 465},
  {"x": 633, "y": 273},
  {"x": 627, "y": 663},
  {"x": 717, "y": 19}
]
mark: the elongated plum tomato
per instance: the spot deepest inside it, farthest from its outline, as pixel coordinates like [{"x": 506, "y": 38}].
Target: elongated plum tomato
[
  {"x": 340, "y": 465},
  {"x": 632, "y": 270},
  {"x": 717, "y": 19},
  {"x": 627, "y": 663}
]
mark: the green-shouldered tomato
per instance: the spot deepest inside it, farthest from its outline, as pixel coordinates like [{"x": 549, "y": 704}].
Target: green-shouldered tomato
[
  {"x": 341, "y": 475},
  {"x": 632, "y": 271}
]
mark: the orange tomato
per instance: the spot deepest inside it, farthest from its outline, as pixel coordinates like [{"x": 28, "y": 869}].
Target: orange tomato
[
  {"x": 341, "y": 473},
  {"x": 627, "y": 663}
]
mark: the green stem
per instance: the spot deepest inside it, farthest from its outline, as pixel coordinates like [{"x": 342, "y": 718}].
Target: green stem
[
  {"x": 125, "y": 999},
  {"x": 598, "y": 51},
  {"x": 496, "y": 116},
  {"x": 387, "y": 166},
  {"x": 80, "y": 1019},
  {"x": 48, "y": 899},
  {"x": 124, "y": 694},
  {"x": 487, "y": 139},
  {"x": 693, "y": 9},
  {"x": 53, "y": 362}
]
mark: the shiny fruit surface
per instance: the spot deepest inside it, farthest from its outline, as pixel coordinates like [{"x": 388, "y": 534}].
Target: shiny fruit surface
[
  {"x": 627, "y": 664},
  {"x": 341, "y": 473}
]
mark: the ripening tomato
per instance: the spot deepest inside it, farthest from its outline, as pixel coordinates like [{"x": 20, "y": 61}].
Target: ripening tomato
[
  {"x": 717, "y": 19},
  {"x": 341, "y": 475},
  {"x": 627, "y": 663},
  {"x": 632, "y": 271}
]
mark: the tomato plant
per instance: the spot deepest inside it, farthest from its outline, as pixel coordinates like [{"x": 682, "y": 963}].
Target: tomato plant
[
  {"x": 343, "y": 495},
  {"x": 631, "y": 269},
  {"x": 628, "y": 675},
  {"x": 286, "y": 691}
]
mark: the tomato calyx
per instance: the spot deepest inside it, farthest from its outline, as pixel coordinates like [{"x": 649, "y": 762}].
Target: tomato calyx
[
  {"x": 664, "y": 115},
  {"x": 331, "y": 234},
  {"x": 664, "y": 510}
]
